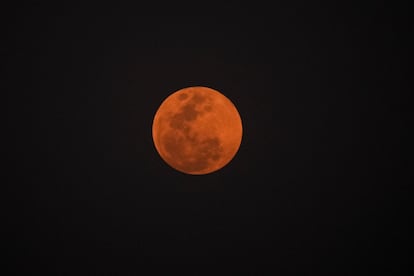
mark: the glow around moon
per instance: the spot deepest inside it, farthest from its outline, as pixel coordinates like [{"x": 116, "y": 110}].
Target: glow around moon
[{"x": 197, "y": 130}]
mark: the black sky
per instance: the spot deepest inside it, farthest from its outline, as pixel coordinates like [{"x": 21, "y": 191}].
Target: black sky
[{"x": 317, "y": 187}]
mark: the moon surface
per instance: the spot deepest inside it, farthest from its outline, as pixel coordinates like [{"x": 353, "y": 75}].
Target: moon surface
[{"x": 197, "y": 130}]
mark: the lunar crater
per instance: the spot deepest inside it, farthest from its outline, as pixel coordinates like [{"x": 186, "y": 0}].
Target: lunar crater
[
  {"x": 183, "y": 96},
  {"x": 198, "y": 98}
]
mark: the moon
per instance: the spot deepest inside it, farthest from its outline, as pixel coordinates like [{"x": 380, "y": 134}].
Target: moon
[{"x": 197, "y": 130}]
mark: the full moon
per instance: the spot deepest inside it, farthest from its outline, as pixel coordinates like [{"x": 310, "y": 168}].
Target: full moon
[{"x": 197, "y": 130}]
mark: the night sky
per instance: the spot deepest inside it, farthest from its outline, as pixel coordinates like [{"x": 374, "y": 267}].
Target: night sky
[{"x": 318, "y": 184}]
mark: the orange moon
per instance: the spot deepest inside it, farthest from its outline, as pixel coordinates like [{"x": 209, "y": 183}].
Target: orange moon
[{"x": 197, "y": 130}]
